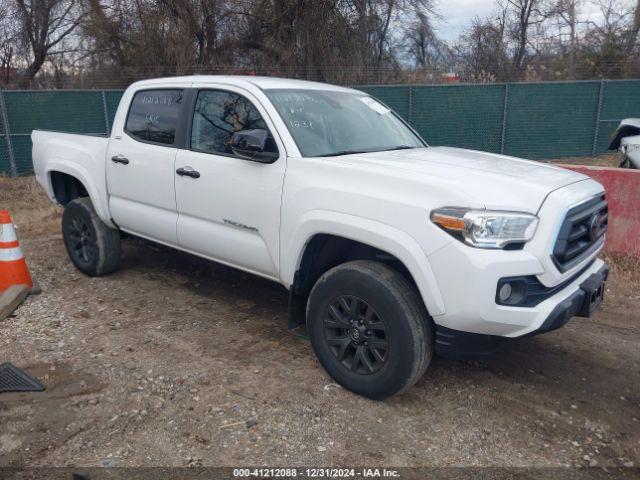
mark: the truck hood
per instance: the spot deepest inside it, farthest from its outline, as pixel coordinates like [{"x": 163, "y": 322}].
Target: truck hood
[{"x": 482, "y": 179}]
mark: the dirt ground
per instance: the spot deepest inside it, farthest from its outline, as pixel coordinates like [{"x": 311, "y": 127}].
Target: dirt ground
[
  {"x": 607, "y": 160},
  {"x": 174, "y": 361}
]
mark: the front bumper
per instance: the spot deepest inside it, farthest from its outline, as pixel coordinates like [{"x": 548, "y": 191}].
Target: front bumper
[
  {"x": 468, "y": 278},
  {"x": 580, "y": 302}
]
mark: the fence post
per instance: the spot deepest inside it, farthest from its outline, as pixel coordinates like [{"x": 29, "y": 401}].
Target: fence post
[
  {"x": 7, "y": 134},
  {"x": 596, "y": 130},
  {"x": 105, "y": 112},
  {"x": 504, "y": 118},
  {"x": 410, "y": 106}
]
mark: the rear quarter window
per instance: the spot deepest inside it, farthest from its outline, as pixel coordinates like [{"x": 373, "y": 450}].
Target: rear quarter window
[{"x": 154, "y": 115}]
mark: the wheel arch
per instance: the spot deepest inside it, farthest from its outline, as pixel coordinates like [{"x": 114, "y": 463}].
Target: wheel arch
[
  {"x": 333, "y": 238},
  {"x": 66, "y": 187},
  {"x": 624, "y": 130},
  {"x": 67, "y": 182}
]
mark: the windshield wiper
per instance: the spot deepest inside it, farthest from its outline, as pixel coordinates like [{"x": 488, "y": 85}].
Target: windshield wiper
[
  {"x": 352, "y": 152},
  {"x": 399, "y": 147},
  {"x": 343, "y": 152}
]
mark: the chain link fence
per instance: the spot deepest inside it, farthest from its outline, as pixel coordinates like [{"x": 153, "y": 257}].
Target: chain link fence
[{"x": 532, "y": 120}]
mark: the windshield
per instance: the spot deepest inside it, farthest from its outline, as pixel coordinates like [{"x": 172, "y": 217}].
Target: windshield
[{"x": 328, "y": 122}]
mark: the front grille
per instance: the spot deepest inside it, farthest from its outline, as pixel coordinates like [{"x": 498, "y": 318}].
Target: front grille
[{"x": 581, "y": 233}]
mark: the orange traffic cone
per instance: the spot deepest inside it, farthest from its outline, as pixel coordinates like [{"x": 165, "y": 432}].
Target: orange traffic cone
[{"x": 13, "y": 268}]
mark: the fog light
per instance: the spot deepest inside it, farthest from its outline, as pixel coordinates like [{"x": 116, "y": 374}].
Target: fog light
[
  {"x": 505, "y": 292},
  {"x": 511, "y": 291}
]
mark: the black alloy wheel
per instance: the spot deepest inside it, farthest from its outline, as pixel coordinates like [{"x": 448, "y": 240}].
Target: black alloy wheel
[
  {"x": 357, "y": 335},
  {"x": 369, "y": 328},
  {"x": 93, "y": 247},
  {"x": 83, "y": 243}
]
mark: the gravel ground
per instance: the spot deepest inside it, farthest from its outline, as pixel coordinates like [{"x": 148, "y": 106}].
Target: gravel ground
[{"x": 175, "y": 361}]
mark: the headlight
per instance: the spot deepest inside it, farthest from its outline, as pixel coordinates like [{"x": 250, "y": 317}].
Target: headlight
[{"x": 485, "y": 228}]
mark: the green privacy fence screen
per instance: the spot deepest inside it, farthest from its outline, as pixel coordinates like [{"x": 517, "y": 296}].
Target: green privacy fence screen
[
  {"x": 76, "y": 111},
  {"x": 533, "y": 120}
]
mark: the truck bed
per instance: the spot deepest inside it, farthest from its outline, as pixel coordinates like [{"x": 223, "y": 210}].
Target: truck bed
[{"x": 77, "y": 154}]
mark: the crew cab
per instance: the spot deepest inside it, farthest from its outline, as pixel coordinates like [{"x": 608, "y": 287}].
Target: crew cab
[{"x": 392, "y": 250}]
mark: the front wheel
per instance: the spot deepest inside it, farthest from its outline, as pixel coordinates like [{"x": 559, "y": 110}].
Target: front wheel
[
  {"x": 369, "y": 328},
  {"x": 93, "y": 247}
]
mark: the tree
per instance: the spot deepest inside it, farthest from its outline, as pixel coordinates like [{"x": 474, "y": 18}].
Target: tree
[
  {"x": 341, "y": 41},
  {"x": 7, "y": 44},
  {"x": 523, "y": 17},
  {"x": 482, "y": 49},
  {"x": 45, "y": 24},
  {"x": 424, "y": 48},
  {"x": 634, "y": 30},
  {"x": 608, "y": 45}
]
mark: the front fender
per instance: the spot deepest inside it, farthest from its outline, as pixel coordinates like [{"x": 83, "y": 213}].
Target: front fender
[{"x": 370, "y": 232}]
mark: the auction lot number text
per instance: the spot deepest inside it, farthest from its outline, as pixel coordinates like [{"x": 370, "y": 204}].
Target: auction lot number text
[{"x": 315, "y": 473}]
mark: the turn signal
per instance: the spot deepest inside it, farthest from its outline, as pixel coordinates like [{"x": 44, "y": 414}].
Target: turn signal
[{"x": 448, "y": 222}]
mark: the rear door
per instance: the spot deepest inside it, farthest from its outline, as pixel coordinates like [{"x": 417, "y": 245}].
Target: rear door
[
  {"x": 230, "y": 209},
  {"x": 140, "y": 164}
]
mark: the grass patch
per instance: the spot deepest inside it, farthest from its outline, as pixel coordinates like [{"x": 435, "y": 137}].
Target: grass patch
[
  {"x": 624, "y": 267},
  {"x": 32, "y": 211}
]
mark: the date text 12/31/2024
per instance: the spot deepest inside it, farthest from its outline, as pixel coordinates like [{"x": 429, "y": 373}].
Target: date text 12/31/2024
[{"x": 315, "y": 473}]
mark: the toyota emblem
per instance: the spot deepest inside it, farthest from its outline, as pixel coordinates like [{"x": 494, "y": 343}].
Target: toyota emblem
[{"x": 595, "y": 226}]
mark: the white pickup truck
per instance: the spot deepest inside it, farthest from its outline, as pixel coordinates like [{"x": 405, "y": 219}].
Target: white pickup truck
[{"x": 391, "y": 250}]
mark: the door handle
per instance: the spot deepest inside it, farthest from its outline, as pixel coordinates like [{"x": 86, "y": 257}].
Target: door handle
[
  {"x": 188, "y": 172},
  {"x": 120, "y": 159}
]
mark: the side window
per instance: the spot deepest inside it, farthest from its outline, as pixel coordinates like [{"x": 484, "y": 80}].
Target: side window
[
  {"x": 218, "y": 115},
  {"x": 153, "y": 115}
]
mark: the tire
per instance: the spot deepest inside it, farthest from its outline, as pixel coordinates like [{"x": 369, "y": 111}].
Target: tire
[
  {"x": 625, "y": 162},
  {"x": 395, "y": 338},
  {"x": 93, "y": 247}
]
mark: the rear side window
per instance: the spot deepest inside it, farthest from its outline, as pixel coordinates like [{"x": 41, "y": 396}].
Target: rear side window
[{"x": 154, "y": 114}]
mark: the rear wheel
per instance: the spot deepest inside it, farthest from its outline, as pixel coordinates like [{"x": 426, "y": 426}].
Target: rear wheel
[
  {"x": 93, "y": 247},
  {"x": 369, "y": 328}
]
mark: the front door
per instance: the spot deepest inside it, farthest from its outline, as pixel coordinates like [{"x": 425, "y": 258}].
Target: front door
[
  {"x": 229, "y": 209},
  {"x": 140, "y": 165}
]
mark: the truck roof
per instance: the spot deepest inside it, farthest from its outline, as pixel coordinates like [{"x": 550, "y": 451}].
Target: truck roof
[{"x": 264, "y": 83}]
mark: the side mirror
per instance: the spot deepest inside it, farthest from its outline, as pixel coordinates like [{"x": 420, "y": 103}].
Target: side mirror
[{"x": 251, "y": 145}]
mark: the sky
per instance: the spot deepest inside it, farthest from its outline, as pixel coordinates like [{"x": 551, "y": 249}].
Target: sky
[{"x": 456, "y": 15}]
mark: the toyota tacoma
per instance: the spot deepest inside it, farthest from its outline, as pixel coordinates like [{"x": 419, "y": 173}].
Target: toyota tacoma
[{"x": 391, "y": 250}]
